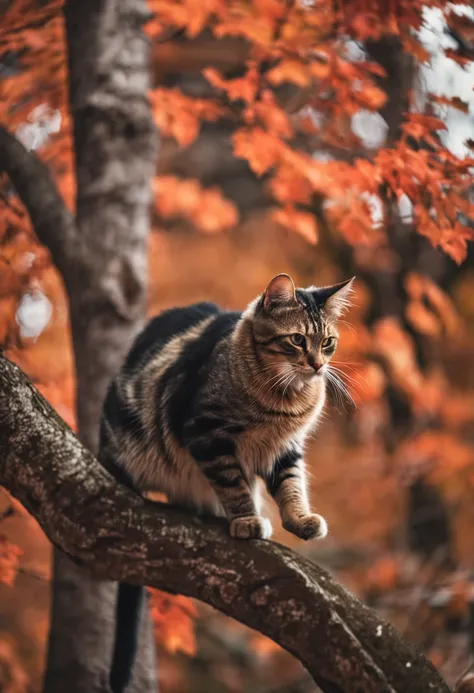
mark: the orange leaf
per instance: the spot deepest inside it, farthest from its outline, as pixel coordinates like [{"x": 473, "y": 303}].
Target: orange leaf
[
  {"x": 453, "y": 102},
  {"x": 303, "y": 223},
  {"x": 292, "y": 71},
  {"x": 274, "y": 118},
  {"x": 244, "y": 88},
  {"x": 261, "y": 150},
  {"x": 433, "y": 300},
  {"x": 173, "y": 617},
  {"x": 422, "y": 319},
  {"x": 207, "y": 208},
  {"x": 414, "y": 46},
  {"x": 383, "y": 574}
]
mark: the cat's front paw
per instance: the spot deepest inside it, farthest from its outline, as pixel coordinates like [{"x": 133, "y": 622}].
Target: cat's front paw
[
  {"x": 307, "y": 527},
  {"x": 252, "y": 527}
]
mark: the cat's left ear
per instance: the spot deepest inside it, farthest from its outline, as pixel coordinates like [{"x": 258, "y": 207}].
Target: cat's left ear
[
  {"x": 335, "y": 299},
  {"x": 280, "y": 291}
]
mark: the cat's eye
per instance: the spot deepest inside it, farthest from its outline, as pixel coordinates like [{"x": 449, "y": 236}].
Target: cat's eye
[
  {"x": 329, "y": 343},
  {"x": 297, "y": 339}
]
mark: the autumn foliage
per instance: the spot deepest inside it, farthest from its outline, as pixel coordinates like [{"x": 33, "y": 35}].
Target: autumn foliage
[{"x": 287, "y": 81}]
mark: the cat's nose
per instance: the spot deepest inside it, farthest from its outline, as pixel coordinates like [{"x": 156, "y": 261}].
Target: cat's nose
[{"x": 314, "y": 363}]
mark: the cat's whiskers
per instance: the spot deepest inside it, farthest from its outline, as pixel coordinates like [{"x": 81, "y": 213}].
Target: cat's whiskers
[
  {"x": 335, "y": 390},
  {"x": 349, "y": 325},
  {"x": 263, "y": 387},
  {"x": 283, "y": 380},
  {"x": 338, "y": 374},
  {"x": 349, "y": 364},
  {"x": 342, "y": 374},
  {"x": 357, "y": 383},
  {"x": 339, "y": 388},
  {"x": 292, "y": 379}
]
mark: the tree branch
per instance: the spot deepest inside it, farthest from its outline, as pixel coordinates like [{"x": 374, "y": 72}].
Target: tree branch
[
  {"x": 52, "y": 221},
  {"x": 121, "y": 536}
]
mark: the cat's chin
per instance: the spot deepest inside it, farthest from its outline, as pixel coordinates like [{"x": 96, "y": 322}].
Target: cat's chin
[
  {"x": 299, "y": 384},
  {"x": 305, "y": 380}
]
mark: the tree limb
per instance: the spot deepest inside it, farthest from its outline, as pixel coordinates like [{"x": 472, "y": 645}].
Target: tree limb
[
  {"x": 52, "y": 221},
  {"x": 121, "y": 536}
]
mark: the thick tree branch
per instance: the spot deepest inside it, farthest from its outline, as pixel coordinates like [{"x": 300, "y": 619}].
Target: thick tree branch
[
  {"x": 119, "y": 535},
  {"x": 52, "y": 221}
]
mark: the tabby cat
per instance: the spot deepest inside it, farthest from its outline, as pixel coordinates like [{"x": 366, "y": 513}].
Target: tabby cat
[{"x": 207, "y": 402}]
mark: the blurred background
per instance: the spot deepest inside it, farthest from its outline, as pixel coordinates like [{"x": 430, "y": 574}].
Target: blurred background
[{"x": 376, "y": 107}]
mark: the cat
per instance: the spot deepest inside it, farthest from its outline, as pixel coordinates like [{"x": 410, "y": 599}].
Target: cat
[{"x": 207, "y": 402}]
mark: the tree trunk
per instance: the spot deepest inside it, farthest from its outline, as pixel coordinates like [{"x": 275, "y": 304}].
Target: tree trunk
[{"x": 115, "y": 145}]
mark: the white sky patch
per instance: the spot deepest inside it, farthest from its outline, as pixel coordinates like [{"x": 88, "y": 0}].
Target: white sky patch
[
  {"x": 33, "y": 314},
  {"x": 444, "y": 77},
  {"x": 371, "y": 128},
  {"x": 42, "y": 122},
  {"x": 405, "y": 209},
  {"x": 375, "y": 207}
]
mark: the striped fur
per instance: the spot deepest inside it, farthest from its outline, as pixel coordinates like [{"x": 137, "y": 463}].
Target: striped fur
[
  {"x": 208, "y": 402},
  {"x": 204, "y": 405}
]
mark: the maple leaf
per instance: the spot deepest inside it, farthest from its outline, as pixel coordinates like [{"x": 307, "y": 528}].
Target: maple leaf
[
  {"x": 453, "y": 102},
  {"x": 303, "y": 223},
  {"x": 179, "y": 116},
  {"x": 272, "y": 117},
  {"x": 261, "y": 149},
  {"x": 461, "y": 60},
  {"x": 431, "y": 310},
  {"x": 414, "y": 46},
  {"x": 204, "y": 207},
  {"x": 454, "y": 242},
  {"x": 191, "y": 15},
  {"x": 287, "y": 186},
  {"x": 173, "y": 618},
  {"x": 371, "y": 97},
  {"x": 419, "y": 125},
  {"x": 292, "y": 71},
  {"x": 423, "y": 320},
  {"x": 383, "y": 574},
  {"x": 252, "y": 26},
  {"x": 244, "y": 88}
]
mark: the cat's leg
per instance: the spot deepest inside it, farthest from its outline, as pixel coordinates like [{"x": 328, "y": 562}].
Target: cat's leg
[
  {"x": 216, "y": 459},
  {"x": 287, "y": 485}
]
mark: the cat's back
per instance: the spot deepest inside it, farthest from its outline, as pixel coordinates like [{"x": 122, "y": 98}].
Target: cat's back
[
  {"x": 150, "y": 399},
  {"x": 163, "y": 328}
]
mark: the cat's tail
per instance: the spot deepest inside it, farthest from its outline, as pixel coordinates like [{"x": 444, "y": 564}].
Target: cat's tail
[{"x": 127, "y": 625}]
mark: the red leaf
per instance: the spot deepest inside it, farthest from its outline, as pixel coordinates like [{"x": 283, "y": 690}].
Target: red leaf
[{"x": 303, "y": 223}]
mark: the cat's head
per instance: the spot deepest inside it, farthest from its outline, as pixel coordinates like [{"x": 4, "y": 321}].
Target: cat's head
[{"x": 295, "y": 330}]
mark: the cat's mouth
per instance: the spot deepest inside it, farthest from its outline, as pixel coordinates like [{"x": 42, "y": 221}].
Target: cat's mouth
[{"x": 310, "y": 373}]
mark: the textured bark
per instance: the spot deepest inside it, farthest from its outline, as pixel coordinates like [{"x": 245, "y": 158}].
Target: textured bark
[
  {"x": 119, "y": 535},
  {"x": 115, "y": 147},
  {"x": 52, "y": 221}
]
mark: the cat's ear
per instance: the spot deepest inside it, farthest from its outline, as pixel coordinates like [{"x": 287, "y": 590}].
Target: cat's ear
[
  {"x": 280, "y": 291},
  {"x": 336, "y": 298}
]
